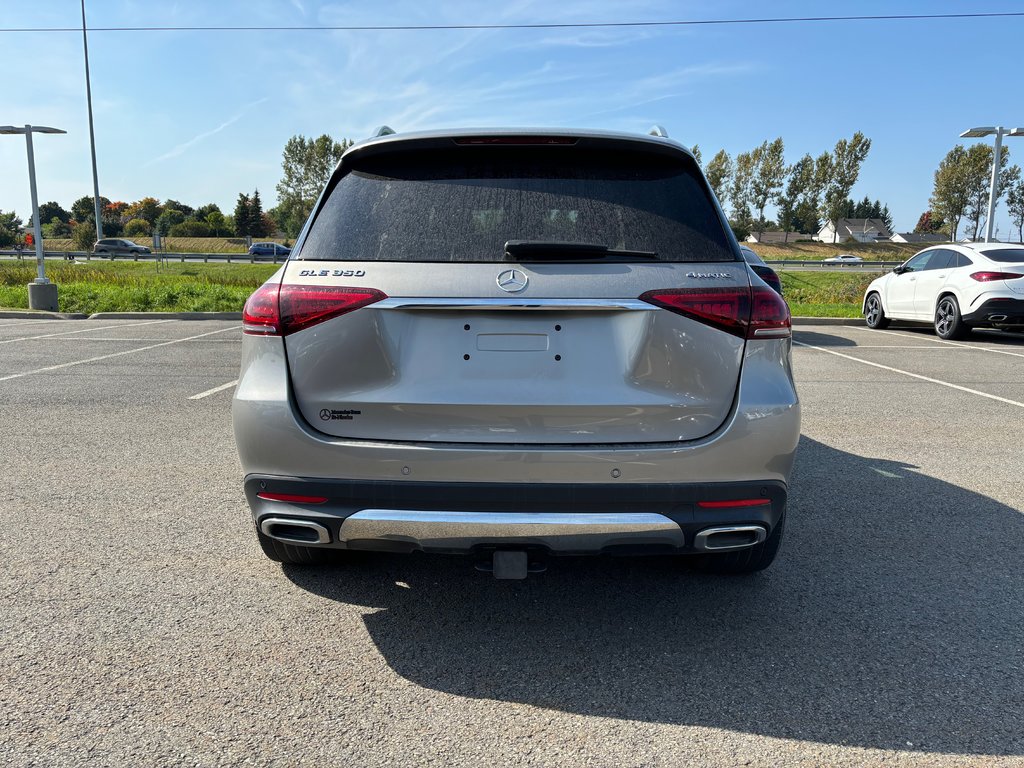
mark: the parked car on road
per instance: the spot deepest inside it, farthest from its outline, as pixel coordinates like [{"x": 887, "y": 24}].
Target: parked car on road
[
  {"x": 112, "y": 246},
  {"x": 268, "y": 249},
  {"x": 844, "y": 258},
  {"x": 517, "y": 344},
  {"x": 955, "y": 287},
  {"x": 763, "y": 271}
]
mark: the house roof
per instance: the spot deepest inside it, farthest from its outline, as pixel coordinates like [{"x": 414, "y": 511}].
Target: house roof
[
  {"x": 862, "y": 226},
  {"x": 921, "y": 237}
]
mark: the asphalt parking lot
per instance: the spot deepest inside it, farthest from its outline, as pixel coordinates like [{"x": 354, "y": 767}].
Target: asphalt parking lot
[{"x": 141, "y": 625}]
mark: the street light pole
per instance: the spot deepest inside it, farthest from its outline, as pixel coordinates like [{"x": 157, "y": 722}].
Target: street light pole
[
  {"x": 997, "y": 156},
  {"x": 92, "y": 134},
  {"x": 42, "y": 294}
]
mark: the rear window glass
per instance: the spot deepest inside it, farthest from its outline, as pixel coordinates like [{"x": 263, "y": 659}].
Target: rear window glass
[
  {"x": 1006, "y": 255},
  {"x": 464, "y": 205}
]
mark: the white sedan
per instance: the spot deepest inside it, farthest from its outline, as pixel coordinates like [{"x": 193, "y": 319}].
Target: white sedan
[
  {"x": 843, "y": 258},
  {"x": 955, "y": 287}
]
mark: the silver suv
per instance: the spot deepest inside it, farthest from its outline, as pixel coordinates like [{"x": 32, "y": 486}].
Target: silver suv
[{"x": 514, "y": 344}]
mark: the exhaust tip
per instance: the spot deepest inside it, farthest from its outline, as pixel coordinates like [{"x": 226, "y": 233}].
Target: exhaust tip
[
  {"x": 293, "y": 531},
  {"x": 729, "y": 537},
  {"x": 997, "y": 318}
]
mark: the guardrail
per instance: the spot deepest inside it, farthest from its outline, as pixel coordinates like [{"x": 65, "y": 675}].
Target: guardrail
[
  {"x": 252, "y": 259},
  {"x": 159, "y": 257}
]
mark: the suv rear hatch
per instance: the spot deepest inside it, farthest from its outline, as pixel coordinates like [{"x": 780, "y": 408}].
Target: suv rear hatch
[{"x": 573, "y": 293}]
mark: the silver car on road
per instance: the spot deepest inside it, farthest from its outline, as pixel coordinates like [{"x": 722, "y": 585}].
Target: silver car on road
[{"x": 512, "y": 345}]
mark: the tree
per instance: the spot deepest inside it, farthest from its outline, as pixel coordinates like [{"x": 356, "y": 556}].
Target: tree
[
  {"x": 168, "y": 219},
  {"x": 56, "y": 228},
  {"x": 929, "y": 222},
  {"x": 951, "y": 192},
  {"x": 84, "y": 235},
  {"x": 84, "y": 210},
  {"x": 719, "y": 173},
  {"x": 307, "y": 165},
  {"x": 185, "y": 209},
  {"x": 695, "y": 150},
  {"x": 800, "y": 177},
  {"x": 243, "y": 221},
  {"x": 847, "y": 159},
  {"x": 10, "y": 228},
  {"x": 147, "y": 208},
  {"x": 978, "y": 174},
  {"x": 1015, "y": 199},
  {"x": 249, "y": 217},
  {"x": 769, "y": 171},
  {"x": 138, "y": 228},
  {"x": 739, "y": 190},
  {"x": 49, "y": 211}
]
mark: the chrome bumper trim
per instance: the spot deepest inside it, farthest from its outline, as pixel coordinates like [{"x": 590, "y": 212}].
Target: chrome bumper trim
[
  {"x": 559, "y": 532},
  {"x": 603, "y": 305}
]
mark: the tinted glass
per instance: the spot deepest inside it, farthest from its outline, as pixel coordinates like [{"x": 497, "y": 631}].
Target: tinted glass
[
  {"x": 1006, "y": 255},
  {"x": 919, "y": 262},
  {"x": 963, "y": 261},
  {"x": 941, "y": 260},
  {"x": 463, "y": 205}
]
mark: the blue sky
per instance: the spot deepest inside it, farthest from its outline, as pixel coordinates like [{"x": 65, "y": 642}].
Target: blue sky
[{"x": 202, "y": 116}]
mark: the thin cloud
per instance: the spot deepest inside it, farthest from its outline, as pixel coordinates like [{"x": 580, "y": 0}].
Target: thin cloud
[{"x": 182, "y": 148}]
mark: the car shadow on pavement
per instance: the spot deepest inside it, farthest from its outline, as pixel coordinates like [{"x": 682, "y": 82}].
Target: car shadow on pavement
[
  {"x": 816, "y": 339},
  {"x": 892, "y": 619}
]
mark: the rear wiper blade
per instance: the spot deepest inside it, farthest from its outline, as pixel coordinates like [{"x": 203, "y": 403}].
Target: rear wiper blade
[{"x": 540, "y": 250}]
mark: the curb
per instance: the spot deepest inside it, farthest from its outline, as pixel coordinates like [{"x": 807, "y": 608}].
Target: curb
[
  {"x": 165, "y": 316},
  {"x": 10, "y": 314},
  {"x": 828, "y": 321}
]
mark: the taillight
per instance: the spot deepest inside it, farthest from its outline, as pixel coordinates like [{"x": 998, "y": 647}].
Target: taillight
[
  {"x": 986, "y": 277},
  {"x": 755, "y": 312},
  {"x": 260, "y": 317},
  {"x": 733, "y": 503},
  {"x": 275, "y": 310}
]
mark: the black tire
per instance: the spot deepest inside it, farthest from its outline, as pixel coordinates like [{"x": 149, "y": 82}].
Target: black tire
[
  {"x": 949, "y": 324},
  {"x": 874, "y": 316},
  {"x": 750, "y": 560},
  {"x": 280, "y": 552}
]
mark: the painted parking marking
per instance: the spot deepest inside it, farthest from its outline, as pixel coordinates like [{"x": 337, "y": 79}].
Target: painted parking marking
[
  {"x": 944, "y": 342},
  {"x": 115, "y": 354},
  {"x": 214, "y": 391},
  {"x": 35, "y": 322},
  {"x": 883, "y": 473},
  {"x": 912, "y": 375},
  {"x": 82, "y": 330}
]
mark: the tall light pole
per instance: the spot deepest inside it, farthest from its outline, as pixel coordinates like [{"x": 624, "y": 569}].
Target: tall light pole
[
  {"x": 42, "y": 294},
  {"x": 993, "y": 190},
  {"x": 92, "y": 134}
]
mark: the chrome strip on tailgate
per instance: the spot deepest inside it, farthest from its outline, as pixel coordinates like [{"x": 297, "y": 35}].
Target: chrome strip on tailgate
[
  {"x": 516, "y": 303},
  {"x": 560, "y": 532}
]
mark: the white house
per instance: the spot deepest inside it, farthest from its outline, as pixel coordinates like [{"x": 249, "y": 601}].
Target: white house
[{"x": 861, "y": 230}]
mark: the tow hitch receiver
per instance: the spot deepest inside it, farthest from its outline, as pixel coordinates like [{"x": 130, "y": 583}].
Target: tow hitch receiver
[{"x": 510, "y": 564}]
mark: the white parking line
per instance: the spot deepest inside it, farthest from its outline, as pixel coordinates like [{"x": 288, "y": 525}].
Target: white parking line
[
  {"x": 908, "y": 373},
  {"x": 944, "y": 341},
  {"x": 214, "y": 391},
  {"x": 82, "y": 330},
  {"x": 114, "y": 354},
  {"x": 35, "y": 322}
]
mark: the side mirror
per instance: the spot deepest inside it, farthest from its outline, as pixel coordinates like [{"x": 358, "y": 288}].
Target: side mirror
[{"x": 899, "y": 270}]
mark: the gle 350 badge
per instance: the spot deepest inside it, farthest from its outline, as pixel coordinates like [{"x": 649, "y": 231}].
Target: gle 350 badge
[{"x": 332, "y": 273}]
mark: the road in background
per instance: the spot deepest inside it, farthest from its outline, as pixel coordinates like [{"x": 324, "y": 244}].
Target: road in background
[{"x": 141, "y": 624}]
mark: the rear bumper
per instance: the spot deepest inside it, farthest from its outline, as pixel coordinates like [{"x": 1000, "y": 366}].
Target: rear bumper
[
  {"x": 999, "y": 311},
  {"x": 465, "y": 518}
]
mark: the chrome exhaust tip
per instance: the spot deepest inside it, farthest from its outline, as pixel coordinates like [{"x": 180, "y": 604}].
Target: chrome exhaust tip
[
  {"x": 292, "y": 531},
  {"x": 729, "y": 537},
  {"x": 997, "y": 318}
]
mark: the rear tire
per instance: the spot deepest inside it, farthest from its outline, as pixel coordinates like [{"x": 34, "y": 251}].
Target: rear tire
[
  {"x": 874, "y": 316},
  {"x": 949, "y": 324},
  {"x": 280, "y": 552},
  {"x": 749, "y": 560}
]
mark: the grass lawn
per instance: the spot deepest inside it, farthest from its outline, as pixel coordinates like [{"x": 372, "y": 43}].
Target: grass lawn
[
  {"x": 148, "y": 287},
  {"x": 137, "y": 287}
]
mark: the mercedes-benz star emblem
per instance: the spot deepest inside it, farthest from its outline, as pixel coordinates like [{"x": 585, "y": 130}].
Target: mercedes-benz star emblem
[{"x": 512, "y": 281}]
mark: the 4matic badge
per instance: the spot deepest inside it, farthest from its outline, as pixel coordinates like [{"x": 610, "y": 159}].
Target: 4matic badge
[{"x": 330, "y": 414}]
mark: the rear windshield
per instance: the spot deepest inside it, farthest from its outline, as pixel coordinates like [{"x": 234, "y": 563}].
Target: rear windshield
[
  {"x": 463, "y": 205},
  {"x": 1006, "y": 255}
]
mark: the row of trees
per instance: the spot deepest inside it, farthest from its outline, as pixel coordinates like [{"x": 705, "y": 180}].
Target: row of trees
[
  {"x": 961, "y": 191},
  {"x": 141, "y": 219},
  {"x": 802, "y": 193}
]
